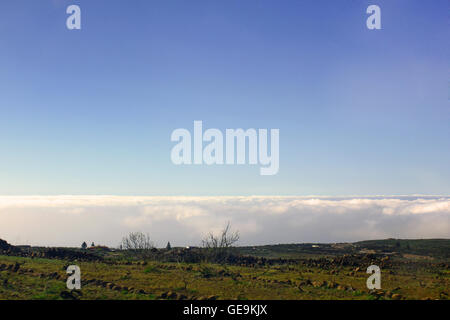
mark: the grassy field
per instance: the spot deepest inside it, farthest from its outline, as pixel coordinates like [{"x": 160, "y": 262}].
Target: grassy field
[{"x": 316, "y": 275}]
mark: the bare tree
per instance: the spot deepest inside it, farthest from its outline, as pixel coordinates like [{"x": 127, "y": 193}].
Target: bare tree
[
  {"x": 219, "y": 245},
  {"x": 137, "y": 241}
]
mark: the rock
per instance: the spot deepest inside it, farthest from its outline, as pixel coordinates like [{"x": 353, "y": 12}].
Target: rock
[
  {"x": 16, "y": 267},
  {"x": 307, "y": 282},
  {"x": 396, "y": 296},
  {"x": 318, "y": 284},
  {"x": 71, "y": 295},
  {"x": 332, "y": 285},
  {"x": 67, "y": 295},
  {"x": 443, "y": 295},
  {"x": 378, "y": 292}
]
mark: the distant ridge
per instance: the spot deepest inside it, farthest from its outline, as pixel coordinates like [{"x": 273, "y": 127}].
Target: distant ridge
[{"x": 4, "y": 246}]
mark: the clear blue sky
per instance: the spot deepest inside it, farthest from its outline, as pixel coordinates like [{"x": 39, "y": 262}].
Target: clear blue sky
[{"x": 360, "y": 112}]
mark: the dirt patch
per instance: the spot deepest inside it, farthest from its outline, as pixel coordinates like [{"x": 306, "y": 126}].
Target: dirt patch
[{"x": 417, "y": 257}]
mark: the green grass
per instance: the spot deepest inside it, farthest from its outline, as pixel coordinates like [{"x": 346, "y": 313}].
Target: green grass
[{"x": 415, "y": 281}]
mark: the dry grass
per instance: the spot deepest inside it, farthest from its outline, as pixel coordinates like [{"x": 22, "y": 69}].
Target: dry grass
[{"x": 149, "y": 281}]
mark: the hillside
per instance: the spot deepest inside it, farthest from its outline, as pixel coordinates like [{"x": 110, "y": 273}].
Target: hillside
[{"x": 436, "y": 248}]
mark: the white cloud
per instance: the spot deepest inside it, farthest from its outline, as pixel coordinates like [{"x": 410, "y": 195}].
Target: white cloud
[{"x": 70, "y": 220}]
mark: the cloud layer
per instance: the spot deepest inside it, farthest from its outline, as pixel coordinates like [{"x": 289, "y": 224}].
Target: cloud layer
[{"x": 70, "y": 220}]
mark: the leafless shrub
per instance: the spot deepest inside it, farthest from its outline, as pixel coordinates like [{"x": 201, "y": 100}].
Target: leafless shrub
[
  {"x": 218, "y": 246},
  {"x": 137, "y": 241}
]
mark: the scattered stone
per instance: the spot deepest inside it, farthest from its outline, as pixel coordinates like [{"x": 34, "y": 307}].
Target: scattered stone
[
  {"x": 332, "y": 285},
  {"x": 71, "y": 295},
  {"x": 377, "y": 293},
  {"x": 318, "y": 284}
]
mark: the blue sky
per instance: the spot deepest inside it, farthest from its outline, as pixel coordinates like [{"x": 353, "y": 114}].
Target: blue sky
[{"x": 360, "y": 112}]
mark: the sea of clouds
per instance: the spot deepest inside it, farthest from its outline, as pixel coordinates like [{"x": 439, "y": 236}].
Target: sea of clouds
[{"x": 70, "y": 220}]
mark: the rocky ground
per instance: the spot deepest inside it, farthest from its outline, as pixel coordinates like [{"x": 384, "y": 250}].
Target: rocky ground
[{"x": 336, "y": 273}]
